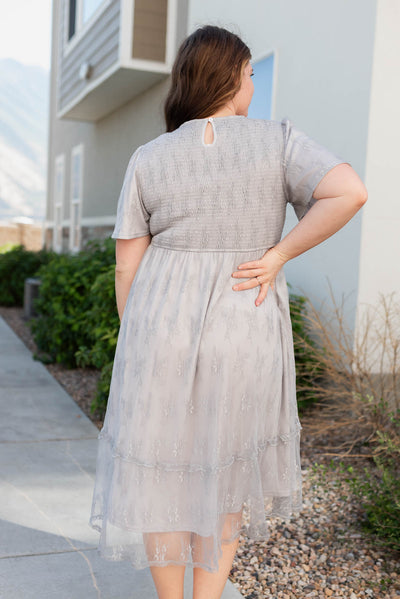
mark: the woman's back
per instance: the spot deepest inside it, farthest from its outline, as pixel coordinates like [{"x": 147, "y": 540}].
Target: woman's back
[{"x": 229, "y": 195}]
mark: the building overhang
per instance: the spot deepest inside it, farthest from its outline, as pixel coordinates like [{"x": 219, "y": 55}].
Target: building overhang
[{"x": 117, "y": 86}]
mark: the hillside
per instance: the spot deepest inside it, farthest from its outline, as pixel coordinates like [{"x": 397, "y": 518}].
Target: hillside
[{"x": 23, "y": 139}]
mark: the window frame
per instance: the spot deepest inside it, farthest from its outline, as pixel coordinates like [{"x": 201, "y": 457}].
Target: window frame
[
  {"x": 75, "y": 228},
  {"x": 80, "y": 28},
  {"x": 58, "y": 201}
]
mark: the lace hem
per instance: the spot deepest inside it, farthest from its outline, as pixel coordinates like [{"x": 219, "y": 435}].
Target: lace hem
[
  {"x": 116, "y": 556},
  {"x": 272, "y": 441},
  {"x": 256, "y": 533}
]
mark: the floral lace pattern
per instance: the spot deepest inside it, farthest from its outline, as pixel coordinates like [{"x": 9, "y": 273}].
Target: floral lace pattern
[{"x": 201, "y": 437}]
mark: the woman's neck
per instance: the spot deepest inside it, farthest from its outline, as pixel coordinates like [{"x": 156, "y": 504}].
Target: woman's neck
[{"x": 226, "y": 111}]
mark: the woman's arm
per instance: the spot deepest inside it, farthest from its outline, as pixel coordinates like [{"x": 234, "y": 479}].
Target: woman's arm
[
  {"x": 340, "y": 194},
  {"x": 128, "y": 254}
]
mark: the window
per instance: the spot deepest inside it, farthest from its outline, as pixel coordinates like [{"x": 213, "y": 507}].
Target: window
[
  {"x": 89, "y": 8},
  {"x": 76, "y": 197},
  {"x": 261, "y": 102},
  {"x": 81, "y": 11},
  {"x": 58, "y": 197},
  {"x": 71, "y": 18}
]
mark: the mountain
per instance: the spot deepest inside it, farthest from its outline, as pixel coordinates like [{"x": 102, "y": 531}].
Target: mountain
[{"x": 24, "y": 102}]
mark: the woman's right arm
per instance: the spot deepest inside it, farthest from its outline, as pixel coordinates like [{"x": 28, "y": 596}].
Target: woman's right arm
[{"x": 340, "y": 195}]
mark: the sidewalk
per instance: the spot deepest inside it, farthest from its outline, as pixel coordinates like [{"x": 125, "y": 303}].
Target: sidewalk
[{"x": 47, "y": 469}]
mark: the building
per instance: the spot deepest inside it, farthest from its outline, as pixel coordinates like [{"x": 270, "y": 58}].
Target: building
[{"x": 329, "y": 67}]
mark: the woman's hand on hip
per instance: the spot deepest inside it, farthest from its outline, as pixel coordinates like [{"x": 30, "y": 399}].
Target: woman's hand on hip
[{"x": 261, "y": 273}]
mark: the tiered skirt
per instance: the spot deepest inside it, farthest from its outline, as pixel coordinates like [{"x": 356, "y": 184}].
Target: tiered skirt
[{"x": 201, "y": 437}]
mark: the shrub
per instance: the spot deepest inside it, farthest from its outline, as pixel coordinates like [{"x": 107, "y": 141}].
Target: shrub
[
  {"x": 7, "y": 247},
  {"x": 65, "y": 298},
  {"x": 379, "y": 487},
  {"x": 17, "y": 264},
  {"x": 309, "y": 368},
  {"x": 103, "y": 325},
  {"x": 99, "y": 403},
  {"x": 102, "y": 322},
  {"x": 359, "y": 369},
  {"x": 360, "y": 394}
]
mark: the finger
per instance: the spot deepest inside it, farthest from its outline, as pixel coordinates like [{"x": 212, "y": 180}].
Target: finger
[
  {"x": 263, "y": 293},
  {"x": 253, "y": 264},
  {"x": 249, "y": 284},
  {"x": 246, "y": 274}
]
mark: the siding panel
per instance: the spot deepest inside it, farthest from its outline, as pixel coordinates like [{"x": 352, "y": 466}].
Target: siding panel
[{"x": 98, "y": 46}]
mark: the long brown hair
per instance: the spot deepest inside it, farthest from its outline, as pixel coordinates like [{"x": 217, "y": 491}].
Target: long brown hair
[{"x": 206, "y": 74}]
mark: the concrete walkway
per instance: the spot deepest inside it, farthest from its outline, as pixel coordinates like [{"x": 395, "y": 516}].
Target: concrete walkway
[{"x": 47, "y": 470}]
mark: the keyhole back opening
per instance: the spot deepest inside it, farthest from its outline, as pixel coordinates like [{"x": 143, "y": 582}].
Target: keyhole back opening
[{"x": 209, "y": 134}]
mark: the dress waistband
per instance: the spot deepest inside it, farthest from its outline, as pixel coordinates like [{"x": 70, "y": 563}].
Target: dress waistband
[{"x": 263, "y": 248}]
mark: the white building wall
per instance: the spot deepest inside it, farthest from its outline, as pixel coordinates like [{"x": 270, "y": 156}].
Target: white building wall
[
  {"x": 324, "y": 55},
  {"x": 380, "y": 238}
]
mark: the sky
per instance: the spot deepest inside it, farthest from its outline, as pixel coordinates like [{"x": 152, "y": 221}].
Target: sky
[{"x": 25, "y": 31}]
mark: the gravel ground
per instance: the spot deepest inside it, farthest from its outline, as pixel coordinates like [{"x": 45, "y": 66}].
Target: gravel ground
[{"x": 321, "y": 553}]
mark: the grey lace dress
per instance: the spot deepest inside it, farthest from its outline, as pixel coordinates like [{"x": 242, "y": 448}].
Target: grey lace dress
[{"x": 202, "y": 416}]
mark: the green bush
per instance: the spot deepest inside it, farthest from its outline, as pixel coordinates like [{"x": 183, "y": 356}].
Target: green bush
[
  {"x": 380, "y": 490},
  {"x": 103, "y": 325},
  {"x": 99, "y": 403},
  {"x": 376, "y": 485},
  {"x": 308, "y": 366},
  {"x": 7, "y": 247},
  {"x": 102, "y": 322},
  {"x": 65, "y": 298},
  {"x": 17, "y": 264}
]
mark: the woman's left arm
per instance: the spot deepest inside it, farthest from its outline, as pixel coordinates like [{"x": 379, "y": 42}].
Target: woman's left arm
[{"x": 128, "y": 254}]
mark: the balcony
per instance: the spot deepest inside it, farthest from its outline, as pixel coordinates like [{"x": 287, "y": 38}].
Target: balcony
[{"x": 124, "y": 49}]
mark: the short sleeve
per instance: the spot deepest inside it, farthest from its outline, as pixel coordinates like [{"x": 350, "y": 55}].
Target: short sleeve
[
  {"x": 305, "y": 163},
  {"x": 132, "y": 217}
]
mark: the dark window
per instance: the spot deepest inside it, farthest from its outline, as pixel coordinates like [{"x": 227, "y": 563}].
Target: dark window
[{"x": 71, "y": 18}]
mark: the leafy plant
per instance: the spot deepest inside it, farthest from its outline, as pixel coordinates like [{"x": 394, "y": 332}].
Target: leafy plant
[
  {"x": 377, "y": 485},
  {"x": 65, "y": 298},
  {"x": 17, "y": 264},
  {"x": 7, "y": 247},
  {"x": 102, "y": 321},
  {"x": 309, "y": 368},
  {"x": 99, "y": 403},
  {"x": 380, "y": 490},
  {"x": 103, "y": 324}
]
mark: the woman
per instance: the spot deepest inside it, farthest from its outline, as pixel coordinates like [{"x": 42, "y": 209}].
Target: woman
[{"x": 200, "y": 441}]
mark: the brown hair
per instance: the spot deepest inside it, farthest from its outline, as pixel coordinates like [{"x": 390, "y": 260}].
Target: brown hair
[{"x": 206, "y": 74}]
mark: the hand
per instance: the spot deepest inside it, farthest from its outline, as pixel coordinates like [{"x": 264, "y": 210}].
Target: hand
[{"x": 266, "y": 269}]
